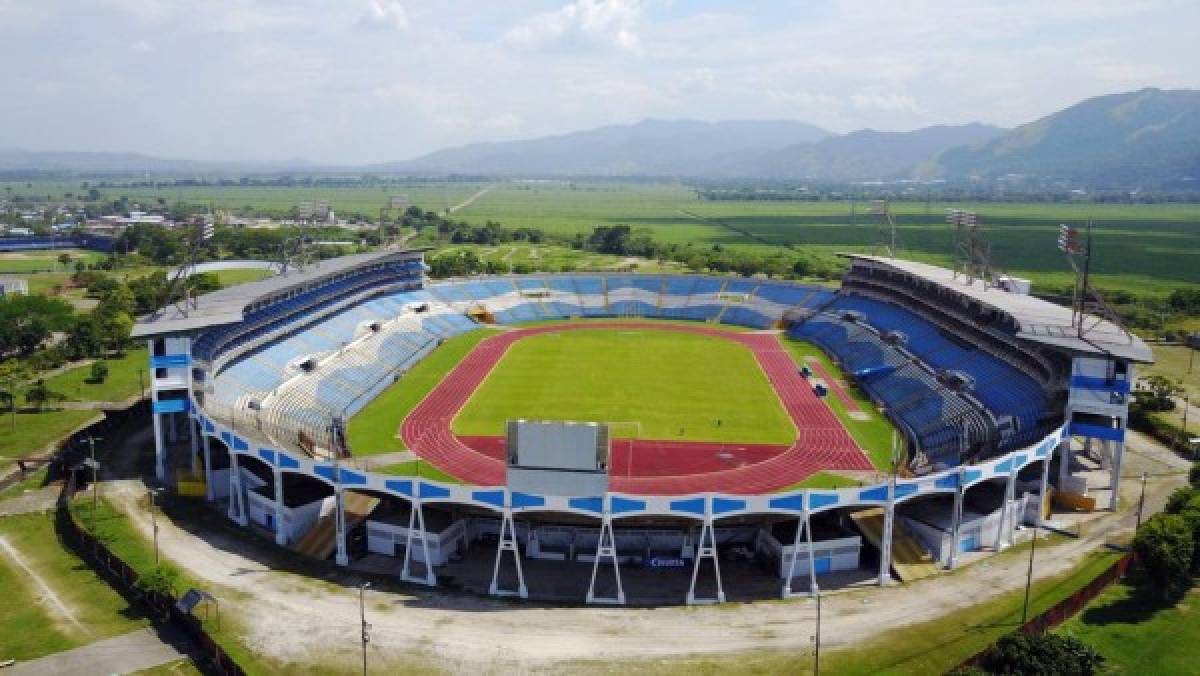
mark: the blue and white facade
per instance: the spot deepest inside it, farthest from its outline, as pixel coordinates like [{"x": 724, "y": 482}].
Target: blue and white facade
[{"x": 253, "y": 378}]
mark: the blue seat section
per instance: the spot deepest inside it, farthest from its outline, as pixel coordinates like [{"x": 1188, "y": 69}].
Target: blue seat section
[
  {"x": 1003, "y": 388},
  {"x": 783, "y": 294}
]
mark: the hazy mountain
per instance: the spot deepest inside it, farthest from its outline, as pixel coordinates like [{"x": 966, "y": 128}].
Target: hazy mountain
[
  {"x": 1144, "y": 138},
  {"x": 649, "y": 147},
  {"x": 865, "y": 154}
]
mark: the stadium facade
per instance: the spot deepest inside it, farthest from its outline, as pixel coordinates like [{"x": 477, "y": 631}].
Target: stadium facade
[{"x": 251, "y": 385}]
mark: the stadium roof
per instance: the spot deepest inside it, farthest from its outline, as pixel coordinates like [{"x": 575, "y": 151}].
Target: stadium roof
[
  {"x": 226, "y": 305},
  {"x": 1040, "y": 321}
]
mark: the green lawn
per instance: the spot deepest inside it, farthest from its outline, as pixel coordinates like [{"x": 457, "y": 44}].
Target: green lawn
[
  {"x": 677, "y": 385},
  {"x": 1137, "y": 633},
  {"x": 373, "y": 430},
  {"x": 874, "y": 433},
  {"x": 822, "y": 480},
  {"x": 241, "y": 276},
  {"x": 417, "y": 468},
  {"x": 932, "y": 647},
  {"x": 31, "y": 626},
  {"x": 35, "y": 431},
  {"x": 26, "y": 262},
  {"x": 122, "y": 381}
]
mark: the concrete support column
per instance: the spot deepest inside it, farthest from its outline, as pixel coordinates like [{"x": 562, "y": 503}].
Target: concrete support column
[
  {"x": 237, "y": 505},
  {"x": 194, "y": 438},
  {"x": 1118, "y": 456},
  {"x": 281, "y": 537},
  {"x": 342, "y": 558},
  {"x": 209, "y": 493},
  {"x": 959, "y": 493}
]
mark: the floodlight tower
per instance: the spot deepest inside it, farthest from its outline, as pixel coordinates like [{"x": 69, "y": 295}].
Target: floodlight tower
[
  {"x": 1086, "y": 301},
  {"x": 885, "y": 227},
  {"x": 972, "y": 253},
  {"x": 176, "y": 290}
]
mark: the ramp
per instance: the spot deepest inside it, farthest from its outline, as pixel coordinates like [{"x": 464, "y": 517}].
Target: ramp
[
  {"x": 910, "y": 561},
  {"x": 321, "y": 540}
]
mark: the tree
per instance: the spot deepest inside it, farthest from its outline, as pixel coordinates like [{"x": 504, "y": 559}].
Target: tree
[
  {"x": 65, "y": 259},
  {"x": 1159, "y": 393},
  {"x": 27, "y": 321},
  {"x": 84, "y": 339},
  {"x": 1194, "y": 475},
  {"x": 98, "y": 372},
  {"x": 1042, "y": 654},
  {"x": 115, "y": 330},
  {"x": 39, "y": 394},
  {"x": 1164, "y": 547}
]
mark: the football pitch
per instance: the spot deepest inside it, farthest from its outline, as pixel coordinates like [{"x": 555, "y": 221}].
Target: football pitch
[{"x": 672, "y": 385}]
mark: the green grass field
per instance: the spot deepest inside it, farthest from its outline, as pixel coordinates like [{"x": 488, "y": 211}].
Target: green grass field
[
  {"x": 122, "y": 381},
  {"x": 30, "y": 625},
  {"x": 677, "y": 386},
  {"x": 25, "y": 262},
  {"x": 240, "y": 276},
  {"x": 34, "y": 431},
  {"x": 1137, "y": 633}
]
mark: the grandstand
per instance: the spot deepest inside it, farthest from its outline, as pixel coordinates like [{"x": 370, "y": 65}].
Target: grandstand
[{"x": 254, "y": 384}]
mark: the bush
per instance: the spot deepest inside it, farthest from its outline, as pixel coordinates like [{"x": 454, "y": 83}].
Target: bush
[
  {"x": 1180, "y": 499},
  {"x": 162, "y": 580},
  {"x": 1164, "y": 547},
  {"x": 1194, "y": 475},
  {"x": 1038, "y": 654},
  {"x": 98, "y": 372}
]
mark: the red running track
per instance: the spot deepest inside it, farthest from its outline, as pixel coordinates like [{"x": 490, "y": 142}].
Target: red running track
[
  {"x": 670, "y": 467},
  {"x": 838, "y": 391}
]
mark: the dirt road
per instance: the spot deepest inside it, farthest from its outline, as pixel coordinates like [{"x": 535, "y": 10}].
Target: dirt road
[{"x": 297, "y": 619}]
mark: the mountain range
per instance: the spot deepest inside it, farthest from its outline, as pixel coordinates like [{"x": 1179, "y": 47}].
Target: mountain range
[{"x": 1144, "y": 139}]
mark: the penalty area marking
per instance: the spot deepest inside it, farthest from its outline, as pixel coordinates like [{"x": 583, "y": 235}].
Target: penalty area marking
[{"x": 47, "y": 593}]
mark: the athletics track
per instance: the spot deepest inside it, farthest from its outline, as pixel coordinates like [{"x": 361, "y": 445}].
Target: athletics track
[{"x": 655, "y": 467}]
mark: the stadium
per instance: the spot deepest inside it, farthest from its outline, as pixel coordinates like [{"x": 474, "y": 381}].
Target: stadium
[{"x": 626, "y": 438}]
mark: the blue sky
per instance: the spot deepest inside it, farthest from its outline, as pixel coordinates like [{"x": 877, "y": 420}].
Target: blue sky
[{"x": 350, "y": 81}]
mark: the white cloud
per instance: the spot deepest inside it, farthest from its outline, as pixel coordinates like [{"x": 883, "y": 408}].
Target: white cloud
[
  {"x": 582, "y": 23},
  {"x": 384, "y": 14}
]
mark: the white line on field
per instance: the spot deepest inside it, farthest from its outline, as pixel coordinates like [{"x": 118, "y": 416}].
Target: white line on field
[{"x": 47, "y": 593}]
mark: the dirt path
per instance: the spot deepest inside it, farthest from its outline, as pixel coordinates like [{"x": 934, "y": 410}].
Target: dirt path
[
  {"x": 467, "y": 202},
  {"x": 50, "y": 598},
  {"x": 292, "y": 618}
]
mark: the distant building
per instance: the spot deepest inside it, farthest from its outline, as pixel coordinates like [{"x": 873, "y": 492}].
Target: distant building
[{"x": 13, "y": 286}]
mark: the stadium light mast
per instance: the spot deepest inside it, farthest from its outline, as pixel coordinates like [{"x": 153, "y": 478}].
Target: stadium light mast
[
  {"x": 972, "y": 253},
  {"x": 885, "y": 227},
  {"x": 1085, "y": 300}
]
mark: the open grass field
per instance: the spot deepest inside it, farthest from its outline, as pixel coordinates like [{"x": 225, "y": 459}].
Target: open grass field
[
  {"x": 677, "y": 386},
  {"x": 373, "y": 430},
  {"x": 236, "y": 276},
  {"x": 122, "y": 381},
  {"x": 25, "y": 262},
  {"x": 34, "y": 431},
  {"x": 78, "y": 609},
  {"x": 1139, "y": 634}
]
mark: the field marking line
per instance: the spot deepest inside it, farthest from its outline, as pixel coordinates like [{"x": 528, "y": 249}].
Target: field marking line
[{"x": 47, "y": 592}]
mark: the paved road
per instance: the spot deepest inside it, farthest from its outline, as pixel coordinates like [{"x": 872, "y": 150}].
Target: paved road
[
  {"x": 34, "y": 501},
  {"x": 134, "y": 651}
]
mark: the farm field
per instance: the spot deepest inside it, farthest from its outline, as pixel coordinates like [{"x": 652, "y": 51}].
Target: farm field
[
  {"x": 702, "y": 388},
  {"x": 1142, "y": 248}
]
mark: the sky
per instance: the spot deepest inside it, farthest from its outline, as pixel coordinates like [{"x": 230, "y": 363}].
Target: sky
[{"x": 361, "y": 81}]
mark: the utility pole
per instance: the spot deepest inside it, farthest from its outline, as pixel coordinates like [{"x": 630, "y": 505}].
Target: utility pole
[
  {"x": 1187, "y": 403},
  {"x": 1141, "y": 501},
  {"x": 362, "y": 611},
  {"x": 1029, "y": 575},
  {"x": 817, "y": 637},
  {"x": 153, "y": 493}
]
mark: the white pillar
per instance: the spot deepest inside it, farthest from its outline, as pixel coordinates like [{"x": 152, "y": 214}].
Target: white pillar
[
  {"x": 237, "y": 505},
  {"x": 1118, "y": 456},
  {"x": 195, "y": 442},
  {"x": 1064, "y": 461},
  {"x": 281, "y": 538},
  {"x": 160, "y": 446},
  {"x": 606, "y": 546},
  {"x": 342, "y": 558},
  {"x": 706, "y": 548},
  {"x": 416, "y": 524},
  {"x": 1042, "y": 494},
  {"x": 885, "y": 550},
  {"x": 508, "y": 543},
  {"x": 1004, "y": 511},
  {"x": 209, "y": 493},
  {"x": 955, "y": 529}
]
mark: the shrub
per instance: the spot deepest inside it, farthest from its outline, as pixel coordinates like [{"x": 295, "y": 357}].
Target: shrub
[
  {"x": 1042, "y": 654},
  {"x": 1180, "y": 499},
  {"x": 161, "y": 580},
  {"x": 1194, "y": 475},
  {"x": 99, "y": 372},
  {"x": 1164, "y": 547}
]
